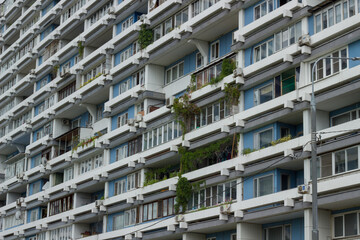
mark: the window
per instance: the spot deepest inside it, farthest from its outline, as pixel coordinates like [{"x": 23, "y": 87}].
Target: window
[
  {"x": 212, "y": 238},
  {"x": 70, "y": 11},
  {"x": 68, "y": 173},
  {"x": 278, "y": 233},
  {"x": 346, "y": 160},
  {"x": 201, "y": 5},
  {"x": 211, "y": 113},
  {"x": 133, "y": 181},
  {"x": 122, "y": 120},
  {"x": 214, "y": 51},
  {"x": 263, "y": 9},
  {"x": 61, "y": 205},
  {"x": 99, "y": 14},
  {"x": 95, "y": 72},
  {"x": 263, "y": 94},
  {"x": 90, "y": 164},
  {"x": 64, "y": 233},
  {"x": 287, "y": 36},
  {"x": 99, "y": 112},
  {"x": 130, "y": 217},
  {"x": 67, "y": 91},
  {"x": 120, "y": 187},
  {"x": 138, "y": 78},
  {"x": 150, "y": 139},
  {"x": 34, "y": 215},
  {"x": 127, "y": 23},
  {"x": 214, "y": 195},
  {"x": 344, "y": 117},
  {"x": 346, "y": 225},
  {"x": 118, "y": 222},
  {"x": 122, "y": 152},
  {"x": 168, "y": 207},
  {"x": 233, "y": 237},
  {"x": 125, "y": 54},
  {"x": 263, "y": 186},
  {"x": 124, "y": 86},
  {"x": 36, "y": 187},
  {"x": 175, "y": 72},
  {"x": 328, "y": 67},
  {"x": 158, "y": 209}
]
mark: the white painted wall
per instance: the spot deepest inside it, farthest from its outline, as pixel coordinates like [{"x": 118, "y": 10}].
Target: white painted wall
[
  {"x": 193, "y": 236},
  {"x": 248, "y": 231},
  {"x": 154, "y": 77}
]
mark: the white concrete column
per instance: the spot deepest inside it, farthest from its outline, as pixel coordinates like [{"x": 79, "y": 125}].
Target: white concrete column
[
  {"x": 106, "y": 157},
  {"x": 106, "y": 190},
  {"x": 307, "y": 170},
  {"x": 241, "y": 18},
  {"x": 324, "y": 224},
  {"x": 193, "y": 236},
  {"x": 248, "y": 231},
  {"x": 306, "y": 122},
  {"x": 242, "y": 101},
  {"x": 304, "y": 74},
  {"x": 240, "y": 59},
  {"x": 304, "y": 26},
  {"x": 240, "y": 189},
  {"x": 241, "y": 143},
  {"x": 111, "y": 92}
]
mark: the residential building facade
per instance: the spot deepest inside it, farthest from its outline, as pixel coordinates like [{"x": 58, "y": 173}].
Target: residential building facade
[{"x": 108, "y": 107}]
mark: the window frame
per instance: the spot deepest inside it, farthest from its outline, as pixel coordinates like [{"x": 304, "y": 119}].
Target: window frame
[
  {"x": 257, "y": 186},
  {"x": 357, "y": 212},
  {"x": 217, "y": 49}
]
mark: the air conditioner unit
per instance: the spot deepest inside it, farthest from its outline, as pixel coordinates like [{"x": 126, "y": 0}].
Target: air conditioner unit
[
  {"x": 238, "y": 72},
  {"x": 98, "y": 203},
  {"x": 32, "y": 71},
  {"x": 139, "y": 118},
  {"x": 111, "y": 10},
  {"x": 304, "y": 40},
  {"x": 65, "y": 71},
  {"x": 225, "y": 209},
  {"x": 131, "y": 122},
  {"x": 66, "y": 122},
  {"x": 170, "y": 102},
  {"x": 105, "y": 71},
  {"x": 179, "y": 218},
  {"x": 19, "y": 201},
  {"x": 303, "y": 189},
  {"x": 18, "y": 215}
]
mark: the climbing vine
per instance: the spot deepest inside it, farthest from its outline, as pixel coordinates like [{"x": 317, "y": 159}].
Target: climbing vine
[
  {"x": 81, "y": 49},
  {"x": 183, "y": 195},
  {"x": 218, "y": 151},
  {"x": 184, "y": 110},
  {"x": 232, "y": 94},
  {"x": 155, "y": 175},
  {"x": 227, "y": 67},
  {"x": 145, "y": 36}
]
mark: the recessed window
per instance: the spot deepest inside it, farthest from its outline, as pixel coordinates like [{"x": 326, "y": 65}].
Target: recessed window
[
  {"x": 199, "y": 60},
  {"x": 263, "y": 9},
  {"x": 175, "y": 72},
  {"x": 215, "y": 50},
  {"x": 278, "y": 233},
  {"x": 263, "y": 94},
  {"x": 263, "y": 185}
]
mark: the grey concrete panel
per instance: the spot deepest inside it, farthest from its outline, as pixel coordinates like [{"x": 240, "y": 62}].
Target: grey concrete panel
[
  {"x": 209, "y": 99},
  {"x": 344, "y": 89},
  {"x": 60, "y": 166},
  {"x": 338, "y": 144},
  {"x": 121, "y": 139},
  {"x": 207, "y": 140}
]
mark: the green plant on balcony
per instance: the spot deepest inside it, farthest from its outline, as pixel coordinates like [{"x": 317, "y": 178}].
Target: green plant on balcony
[
  {"x": 81, "y": 49},
  {"x": 56, "y": 69},
  {"x": 155, "y": 175},
  {"x": 227, "y": 68},
  {"x": 281, "y": 140},
  {"x": 145, "y": 36},
  {"x": 90, "y": 80},
  {"x": 184, "y": 110},
  {"x": 87, "y": 141},
  {"x": 232, "y": 94},
  {"x": 183, "y": 195},
  {"x": 216, "y": 152}
]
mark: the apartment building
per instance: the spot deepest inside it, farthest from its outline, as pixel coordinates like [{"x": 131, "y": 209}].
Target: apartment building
[{"x": 109, "y": 108}]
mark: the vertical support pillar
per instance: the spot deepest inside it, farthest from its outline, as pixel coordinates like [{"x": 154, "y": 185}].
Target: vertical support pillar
[{"x": 248, "y": 231}]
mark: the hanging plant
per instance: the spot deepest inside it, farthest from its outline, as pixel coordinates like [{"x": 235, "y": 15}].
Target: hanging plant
[
  {"x": 81, "y": 49},
  {"x": 55, "y": 70},
  {"x": 218, "y": 151},
  {"x": 184, "y": 111},
  {"x": 227, "y": 67},
  {"x": 232, "y": 94},
  {"x": 145, "y": 36},
  {"x": 183, "y": 195}
]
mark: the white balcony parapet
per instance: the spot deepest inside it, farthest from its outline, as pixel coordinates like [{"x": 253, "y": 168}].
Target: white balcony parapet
[{"x": 163, "y": 7}]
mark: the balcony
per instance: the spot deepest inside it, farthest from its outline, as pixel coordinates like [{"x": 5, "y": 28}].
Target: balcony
[{"x": 70, "y": 140}]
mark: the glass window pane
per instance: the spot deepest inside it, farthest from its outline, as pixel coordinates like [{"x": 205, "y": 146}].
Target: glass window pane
[
  {"x": 338, "y": 13},
  {"x": 341, "y": 119},
  {"x": 270, "y": 48},
  {"x": 277, "y": 41},
  {"x": 343, "y": 61},
  {"x": 266, "y": 93},
  {"x": 350, "y": 224},
  {"x": 287, "y": 232},
  {"x": 338, "y": 222},
  {"x": 257, "y": 12},
  {"x": 220, "y": 190},
  {"x": 352, "y": 158},
  {"x": 318, "y": 23},
  {"x": 335, "y": 62},
  {"x": 324, "y": 20},
  {"x": 275, "y": 233},
  {"x": 266, "y": 185},
  {"x": 339, "y": 162},
  {"x": 326, "y": 165},
  {"x": 263, "y": 51},
  {"x": 292, "y": 35},
  {"x": 351, "y": 8},
  {"x": 331, "y": 16},
  {"x": 328, "y": 66},
  {"x": 285, "y": 37},
  {"x": 345, "y": 10}
]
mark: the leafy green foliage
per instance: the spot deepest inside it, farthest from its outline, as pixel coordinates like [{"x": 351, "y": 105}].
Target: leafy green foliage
[
  {"x": 145, "y": 36},
  {"x": 227, "y": 68},
  {"x": 232, "y": 93},
  {"x": 184, "y": 111},
  {"x": 155, "y": 175},
  {"x": 81, "y": 49},
  {"x": 183, "y": 194},
  {"x": 189, "y": 160}
]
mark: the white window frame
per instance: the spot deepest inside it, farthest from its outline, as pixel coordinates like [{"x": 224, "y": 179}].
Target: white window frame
[
  {"x": 216, "y": 55},
  {"x": 283, "y": 227},
  {"x": 343, "y": 223},
  {"x": 199, "y": 55},
  {"x": 122, "y": 120},
  {"x": 120, "y": 187},
  {"x": 257, "y": 190},
  {"x": 257, "y": 137},
  {"x": 266, "y": 11},
  {"x": 346, "y": 160},
  {"x": 356, "y": 110},
  {"x": 257, "y": 93},
  {"x": 178, "y": 73}
]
